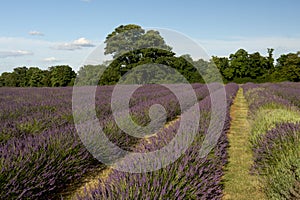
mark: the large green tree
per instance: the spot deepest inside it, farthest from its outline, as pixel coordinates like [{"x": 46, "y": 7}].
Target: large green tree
[
  {"x": 126, "y": 38},
  {"x": 123, "y": 64},
  {"x": 258, "y": 65},
  {"x": 132, "y": 46},
  {"x": 239, "y": 62}
]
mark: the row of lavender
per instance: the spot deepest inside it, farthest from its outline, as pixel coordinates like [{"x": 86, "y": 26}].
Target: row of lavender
[
  {"x": 40, "y": 152},
  {"x": 276, "y": 137},
  {"x": 192, "y": 176},
  {"x": 29, "y": 111},
  {"x": 287, "y": 90}
]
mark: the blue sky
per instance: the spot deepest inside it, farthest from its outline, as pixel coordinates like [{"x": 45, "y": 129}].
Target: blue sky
[{"x": 52, "y": 32}]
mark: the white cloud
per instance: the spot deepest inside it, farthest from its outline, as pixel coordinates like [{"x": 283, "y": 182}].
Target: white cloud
[
  {"x": 14, "y": 53},
  {"x": 66, "y": 46},
  {"x": 51, "y": 59},
  {"x": 42, "y": 50},
  {"x": 36, "y": 33},
  {"x": 86, "y": 0},
  {"x": 83, "y": 42},
  {"x": 75, "y": 45}
]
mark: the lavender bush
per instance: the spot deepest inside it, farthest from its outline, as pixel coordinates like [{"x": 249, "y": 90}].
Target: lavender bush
[{"x": 277, "y": 161}]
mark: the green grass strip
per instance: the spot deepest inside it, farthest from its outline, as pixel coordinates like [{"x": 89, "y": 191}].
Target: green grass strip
[
  {"x": 238, "y": 182},
  {"x": 266, "y": 119}
]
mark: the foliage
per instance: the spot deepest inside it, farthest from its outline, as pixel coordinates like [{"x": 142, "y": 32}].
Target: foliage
[
  {"x": 38, "y": 77},
  {"x": 242, "y": 67},
  {"x": 56, "y": 76},
  {"x": 151, "y": 56},
  {"x": 89, "y": 74},
  {"x": 126, "y": 38},
  {"x": 62, "y": 75},
  {"x": 288, "y": 67}
]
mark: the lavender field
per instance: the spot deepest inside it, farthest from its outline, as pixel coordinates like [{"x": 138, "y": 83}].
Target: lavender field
[
  {"x": 149, "y": 100},
  {"x": 43, "y": 157}
]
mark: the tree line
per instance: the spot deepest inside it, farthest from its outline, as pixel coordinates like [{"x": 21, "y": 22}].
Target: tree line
[
  {"x": 150, "y": 47},
  {"x": 56, "y": 76},
  {"x": 242, "y": 67}
]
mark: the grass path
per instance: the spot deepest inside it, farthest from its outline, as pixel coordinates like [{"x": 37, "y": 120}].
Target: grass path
[{"x": 238, "y": 183}]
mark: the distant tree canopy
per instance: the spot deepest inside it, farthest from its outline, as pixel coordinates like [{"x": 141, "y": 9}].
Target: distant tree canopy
[
  {"x": 242, "y": 66},
  {"x": 56, "y": 76},
  {"x": 288, "y": 67},
  {"x": 90, "y": 74},
  {"x": 131, "y": 47},
  {"x": 62, "y": 75}
]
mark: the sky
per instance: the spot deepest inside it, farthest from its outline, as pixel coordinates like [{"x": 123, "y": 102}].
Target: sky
[{"x": 55, "y": 32}]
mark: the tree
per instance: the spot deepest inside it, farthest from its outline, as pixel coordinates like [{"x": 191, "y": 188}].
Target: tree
[
  {"x": 239, "y": 61},
  {"x": 270, "y": 60},
  {"x": 129, "y": 60},
  {"x": 292, "y": 73},
  {"x": 222, "y": 64},
  {"x": 62, "y": 75},
  {"x": 259, "y": 65},
  {"x": 152, "y": 39},
  {"x": 36, "y": 77},
  {"x": 20, "y": 76},
  {"x": 2, "y": 81},
  {"x": 242, "y": 66},
  {"x": 131, "y": 46},
  {"x": 90, "y": 74},
  {"x": 126, "y": 38},
  {"x": 289, "y": 66},
  {"x": 123, "y": 64},
  {"x": 8, "y": 79},
  {"x": 46, "y": 80},
  {"x": 151, "y": 74}
]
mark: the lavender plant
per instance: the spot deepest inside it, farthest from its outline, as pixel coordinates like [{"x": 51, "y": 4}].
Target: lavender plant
[{"x": 276, "y": 160}]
